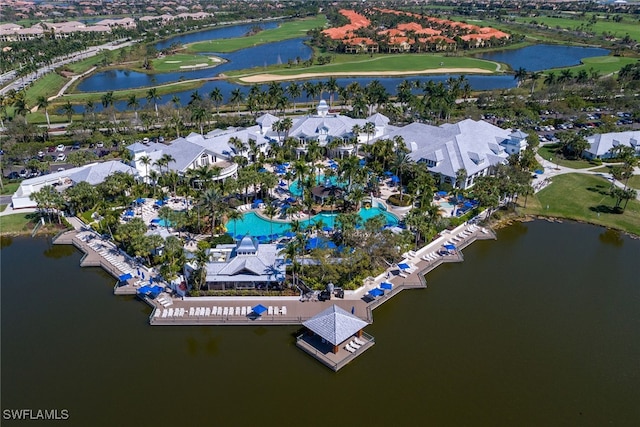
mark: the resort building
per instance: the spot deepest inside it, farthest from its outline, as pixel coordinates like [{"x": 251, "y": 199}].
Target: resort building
[
  {"x": 190, "y": 152},
  {"x": 335, "y": 131},
  {"x": 245, "y": 265},
  {"x": 601, "y": 146},
  {"x": 475, "y": 147},
  {"x": 93, "y": 173}
]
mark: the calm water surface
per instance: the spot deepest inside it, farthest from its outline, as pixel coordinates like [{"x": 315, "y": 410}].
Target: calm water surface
[
  {"x": 541, "y": 327},
  {"x": 544, "y": 56}
]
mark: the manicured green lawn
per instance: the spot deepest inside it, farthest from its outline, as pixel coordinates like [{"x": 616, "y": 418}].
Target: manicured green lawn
[
  {"x": 589, "y": 202},
  {"x": 287, "y": 30},
  {"x": 390, "y": 62},
  {"x": 548, "y": 152},
  {"x": 46, "y": 86},
  {"x": 183, "y": 62},
  {"x": 17, "y": 223},
  {"x": 96, "y": 97},
  {"x": 629, "y": 25},
  {"x": 10, "y": 187},
  {"x": 634, "y": 182},
  {"x": 603, "y": 64}
]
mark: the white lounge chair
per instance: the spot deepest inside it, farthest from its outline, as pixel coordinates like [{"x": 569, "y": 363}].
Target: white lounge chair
[
  {"x": 237, "y": 311},
  {"x": 225, "y": 311},
  {"x": 156, "y": 313},
  {"x": 349, "y": 348},
  {"x": 214, "y": 310},
  {"x": 270, "y": 310},
  {"x": 402, "y": 275},
  {"x": 220, "y": 310},
  {"x": 164, "y": 312},
  {"x": 191, "y": 311},
  {"x": 359, "y": 341},
  {"x": 284, "y": 310},
  {"x": 353, "y": 344},
  {"x": 207, "y": 311}
]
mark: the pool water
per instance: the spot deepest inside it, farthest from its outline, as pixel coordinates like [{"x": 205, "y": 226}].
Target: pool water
[
  {"x": 253, "y": 225},
  {"x": 295, "y": 189},
  {"x": 446, "y": 205}
]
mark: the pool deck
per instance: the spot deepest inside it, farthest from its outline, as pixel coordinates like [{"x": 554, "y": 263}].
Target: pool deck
[{"x": 176, "y": 311}]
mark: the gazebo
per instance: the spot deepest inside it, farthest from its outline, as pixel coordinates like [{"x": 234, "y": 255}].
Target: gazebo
[{"x": 335, "y": 325}]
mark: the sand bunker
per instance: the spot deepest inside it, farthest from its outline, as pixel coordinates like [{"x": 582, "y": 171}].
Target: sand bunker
[
  {"x": 194, "y": 66},
  {"x": 262, "y": 78},
  {"x": 172, "y": 62}
]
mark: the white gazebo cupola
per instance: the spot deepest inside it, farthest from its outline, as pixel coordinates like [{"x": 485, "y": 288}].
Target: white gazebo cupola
[
  {"x": 323, "y": 108},
  {"x": 247, "y": 246},
  {"x": 266, "y": 122}
]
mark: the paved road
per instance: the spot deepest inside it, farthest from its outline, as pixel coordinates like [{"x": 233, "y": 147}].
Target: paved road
[{"x": 26, "y": 80}]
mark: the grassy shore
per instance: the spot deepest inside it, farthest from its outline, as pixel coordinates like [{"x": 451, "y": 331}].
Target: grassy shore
[
  {"x": 20, "y": 223},
  {"x": 604, "y": 65},
  {"x": 287, "y": 30},
  {"x": 589, "y": 202},
  {"x": 619, "y": 29},
  {"x": 358, "y": 64}
]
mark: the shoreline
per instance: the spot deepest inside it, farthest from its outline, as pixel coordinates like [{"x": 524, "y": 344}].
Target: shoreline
[{"x": 267, "y": 77}]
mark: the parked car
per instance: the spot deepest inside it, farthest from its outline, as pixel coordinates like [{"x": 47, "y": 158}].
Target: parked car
[
  {"x": 76, "y": 146},
  {"x": 61, "y": 158},
  {"x": 61, "y": 169},
  {"x": 24, "y": 173},
  {"x": 60, "y": 147},
  {"x": 13, "y": 175},
  {"x": 99, "y": 144},
  {"x": 51, "y": 149}
]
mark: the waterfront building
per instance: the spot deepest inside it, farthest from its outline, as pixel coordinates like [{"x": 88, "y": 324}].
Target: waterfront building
[
  {"x": 336, "y": 131},
  {"x": 601, "y": 146},
  {"x": 245, "y": 265},
  {"x": 476, "y": 147},
  {"x": 93, "y": 173},
  {"x": 190, "y": 152}
]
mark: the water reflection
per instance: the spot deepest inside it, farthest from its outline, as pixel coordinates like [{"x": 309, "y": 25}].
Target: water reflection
[
  {"x": 59, "y": 251},
  {"x": 612, "y": 237},
  {"x": 5, "y": 241}
]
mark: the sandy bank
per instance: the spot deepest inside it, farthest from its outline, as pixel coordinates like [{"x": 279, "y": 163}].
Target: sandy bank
[{"x": 263, "y": 78}]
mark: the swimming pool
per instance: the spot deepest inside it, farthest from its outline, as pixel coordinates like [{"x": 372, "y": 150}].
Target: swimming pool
[
  {"x": 295, "y": 189},
  {"x": 253, "y": 225}
]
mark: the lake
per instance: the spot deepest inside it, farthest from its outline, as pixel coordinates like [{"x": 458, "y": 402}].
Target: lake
[
  {"x": 532, "y": 58},
  {"x": 541, "y": 327}
]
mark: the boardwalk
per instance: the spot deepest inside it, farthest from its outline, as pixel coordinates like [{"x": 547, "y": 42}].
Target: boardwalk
[{"x": 171, "y": 310}]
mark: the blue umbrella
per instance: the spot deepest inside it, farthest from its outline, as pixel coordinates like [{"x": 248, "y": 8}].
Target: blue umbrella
[
  {"x": 376, "y": 292},
  {"x": 327, "y": 228},
  {"x": 259, "y": 309},
  {"x": 395, "y": 179},
  {"x": 257, "y": 201},
  {"x": 282, "y": 184},
  {"x": 388, "y": 173},
  {"x": 386, "y": 285},
  {"x": 289, "y": 234},
  {"x": 442, "y": 193},
  {"x": 362, "y": 162},
  {"x": 140, "y": 200},
  {"x": 262, "y": 238},
  {"x": 403, "y": 266},
  {"x": 239, "y": 236},
  {"x": 138, "y": 271},
  {"x": 142, "y": 275},
  {"x": 291, "y": 200},
  {"x": 450, "y": 247}
]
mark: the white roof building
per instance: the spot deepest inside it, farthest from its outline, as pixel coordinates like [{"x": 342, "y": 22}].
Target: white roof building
[
  {"x": 93, "y": 173},
  {"x": 474, "y": 146},
  {"x": 600, "y": 145},
  {"x": 245, "y": 265}
]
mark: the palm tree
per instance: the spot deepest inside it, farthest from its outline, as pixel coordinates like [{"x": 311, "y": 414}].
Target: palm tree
[
  {"x": 332, "y": 88},
  {"x": 235, "y": 216},
  {"x": 535, "y": 75},
  {"x": 152, "y": 96},
  {"x": 370, "y": 129},
  {"x": 107, "y": 102},
  {"x": 67, "y": 109},
  {"x": 270, "y": 211},
  {"x": 402, "y": 162},
  {"x": 550, "y": 79},
  {"x": 236, "y": 98},
  {"x": 146, "y": 161},
  {"x": 520, "y": 74},
  {"x": 216, "y": 97},
  {"x": 293, "y": 90},
  {"x": 132, "y": 102},
  {"x": 43, "y": 103}
]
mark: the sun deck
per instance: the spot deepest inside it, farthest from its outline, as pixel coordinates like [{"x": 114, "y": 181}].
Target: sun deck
[{"x": 323, "y": 351}]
